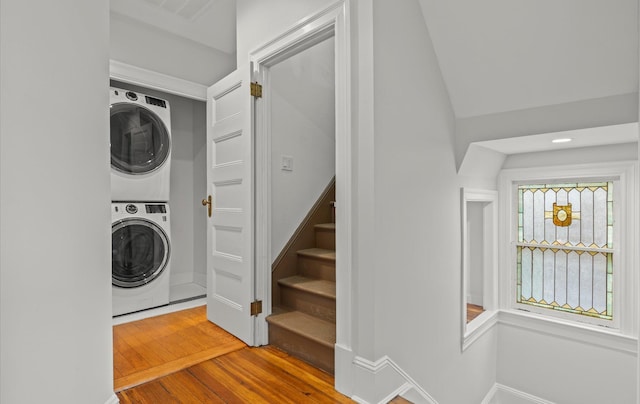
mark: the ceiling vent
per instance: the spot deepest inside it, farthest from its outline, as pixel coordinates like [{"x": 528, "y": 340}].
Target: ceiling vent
[{"x": 189, "y": 9}]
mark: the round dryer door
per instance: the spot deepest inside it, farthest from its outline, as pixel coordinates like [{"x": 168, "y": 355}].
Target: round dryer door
[
  {"x": 140, "y": 140},
  {"x": 139, "y": 252}
]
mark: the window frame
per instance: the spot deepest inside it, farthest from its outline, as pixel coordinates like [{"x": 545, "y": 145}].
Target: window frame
[{"x": 625, "y": 280}]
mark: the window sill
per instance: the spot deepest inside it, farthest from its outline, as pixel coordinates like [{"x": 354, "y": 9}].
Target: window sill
[
  {"x": 594, "y": 335},
  {"x": 478, "y": 327}
]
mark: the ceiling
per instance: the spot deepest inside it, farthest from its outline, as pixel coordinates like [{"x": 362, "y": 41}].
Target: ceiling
[
  {"x": 504, "y": 55},
  {"x": 208, "y": 22},
  {"x": 495, "y": 55}
]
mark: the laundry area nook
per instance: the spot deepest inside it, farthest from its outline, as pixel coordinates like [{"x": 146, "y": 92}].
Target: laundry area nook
[{"x": 157, "y": 149}]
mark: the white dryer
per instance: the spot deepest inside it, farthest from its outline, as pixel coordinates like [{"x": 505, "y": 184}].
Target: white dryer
[
  {"x": 140, "y": 255},
  {"x": 140, "y": 127}
]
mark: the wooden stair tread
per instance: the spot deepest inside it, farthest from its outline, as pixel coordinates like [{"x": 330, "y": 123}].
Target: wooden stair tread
[
  {"x": 310, "y": 327},
  {"x": 318, "y": 253},
  {"x": 326, "y": 226},
  {"x": 318, "y": 287}
]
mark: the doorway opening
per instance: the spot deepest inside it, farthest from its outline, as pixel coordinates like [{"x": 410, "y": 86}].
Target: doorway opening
[
  {"x": 326, "y": 29},
  {"x": 299, "y": 151}
]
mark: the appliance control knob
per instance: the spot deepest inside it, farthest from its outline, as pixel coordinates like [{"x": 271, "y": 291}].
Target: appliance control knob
[
  {"x": 132, "y": 96},
  {"x": 132, "y": 209}
]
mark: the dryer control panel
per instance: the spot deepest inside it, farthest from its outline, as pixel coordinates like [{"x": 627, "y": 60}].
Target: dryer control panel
[{"x": 156, "y": 208}]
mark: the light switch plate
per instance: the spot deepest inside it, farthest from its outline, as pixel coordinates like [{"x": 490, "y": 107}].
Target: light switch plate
[{"x": 287, "y": 163}]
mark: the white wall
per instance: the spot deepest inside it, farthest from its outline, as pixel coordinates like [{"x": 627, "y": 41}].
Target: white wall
[
  {"x": 188, "y": 123},
  {"x": 417, "y": 215},
  {"x": 55, "y": 289},
  {"x": 303, "y": 127},
  {"x": 144, "y": 46},
  {"x": 638, "y": 365},
  {"x": 475, "y": 258},
  {"x": 564, "y": 371}
]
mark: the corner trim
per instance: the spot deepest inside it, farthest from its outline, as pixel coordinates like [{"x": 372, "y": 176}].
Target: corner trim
[
  {"x": 500, "y": 389},
  {"x": 113, "y": 399},
  {"x": 383, "y": 364},
  {"x": 479, "y": 326},
  {"x": 157, "y": 81}
]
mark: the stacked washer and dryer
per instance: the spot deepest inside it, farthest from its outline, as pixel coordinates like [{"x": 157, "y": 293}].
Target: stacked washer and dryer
[{"x": 140, "y": 128}]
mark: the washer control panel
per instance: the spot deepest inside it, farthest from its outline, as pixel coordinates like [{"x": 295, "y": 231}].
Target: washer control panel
[{"x": 140, "y": 209}]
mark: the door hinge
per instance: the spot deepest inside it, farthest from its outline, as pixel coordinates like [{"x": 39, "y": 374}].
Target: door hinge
[
  {"x": 256, "y": 90},
  {"x": 256, "y": 307}
]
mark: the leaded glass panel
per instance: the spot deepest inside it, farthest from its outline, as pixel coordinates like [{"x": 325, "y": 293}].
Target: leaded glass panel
[{"x": 564, "y": 247}]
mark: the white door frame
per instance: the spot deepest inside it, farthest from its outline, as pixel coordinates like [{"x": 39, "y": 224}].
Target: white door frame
[{"x": 333, "y": 21}]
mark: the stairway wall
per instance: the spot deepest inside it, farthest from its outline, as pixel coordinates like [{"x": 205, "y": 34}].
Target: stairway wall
[
  {"x": 416, "y": 249},
  {"x": 302, "y": 127}
]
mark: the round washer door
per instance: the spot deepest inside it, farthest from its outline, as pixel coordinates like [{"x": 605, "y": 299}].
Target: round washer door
[
  {"x": 139, "y": 252},
  {"x": 140, "y": 141}
]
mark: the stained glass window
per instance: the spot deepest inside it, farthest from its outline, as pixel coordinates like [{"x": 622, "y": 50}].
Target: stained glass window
[{"x": 565, "y": 247}]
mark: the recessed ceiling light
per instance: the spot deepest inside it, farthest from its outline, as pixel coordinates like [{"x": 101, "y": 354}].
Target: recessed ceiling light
[{"x": 561, "y": 140}]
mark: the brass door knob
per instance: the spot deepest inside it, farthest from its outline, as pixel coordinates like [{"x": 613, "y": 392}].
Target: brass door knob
[{"x": 209, "y": 204}]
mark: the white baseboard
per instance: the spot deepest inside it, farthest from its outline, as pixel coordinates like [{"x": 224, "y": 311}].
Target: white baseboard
[
  {"x": 113, "y": 400},
  {"x": 382, "y": 380},
  {"x": 344, "y": 370},
  {"x": 157, "y": 81},
  {"x": 501, "y": 394},
  {"x": 158, "y": 311}
]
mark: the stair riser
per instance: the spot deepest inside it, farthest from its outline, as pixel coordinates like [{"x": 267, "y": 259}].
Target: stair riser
[
  {"x": 316, "y": 268},
  {"x": 318, "y": 306},
  {"x": 312, "y": 352},
  {"x": 326, "y": 239}
]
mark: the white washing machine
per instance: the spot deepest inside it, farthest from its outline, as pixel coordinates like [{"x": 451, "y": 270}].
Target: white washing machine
[
  {"x": 140, "y": 253},
  {"x": 140, "y": 128}
]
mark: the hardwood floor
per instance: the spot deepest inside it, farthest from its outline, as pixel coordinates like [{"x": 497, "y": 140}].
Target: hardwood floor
[
  {"x": 232, "y": 372},
  {"x": 147, "y": 349},
  {"x": 249, "y": 375},
  {"x": 473, "y": 311}
]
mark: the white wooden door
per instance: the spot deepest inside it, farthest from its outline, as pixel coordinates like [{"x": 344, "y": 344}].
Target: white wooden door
[{"x": 230, "y": 251}]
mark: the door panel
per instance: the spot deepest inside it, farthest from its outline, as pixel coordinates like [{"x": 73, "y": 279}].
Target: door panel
[{"x": 230, "y": 268}]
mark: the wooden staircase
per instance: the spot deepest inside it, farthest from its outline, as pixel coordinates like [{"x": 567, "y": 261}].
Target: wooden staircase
[{"x": 303, "y": 322}]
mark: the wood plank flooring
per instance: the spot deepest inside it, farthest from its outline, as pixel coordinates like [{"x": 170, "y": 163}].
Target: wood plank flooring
[
  {"x": 147, "y": 349},
  {"x": 233, "y": 372},
  {"x": 473, "y": 311},
  {"x": 249, "y": 375}
]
